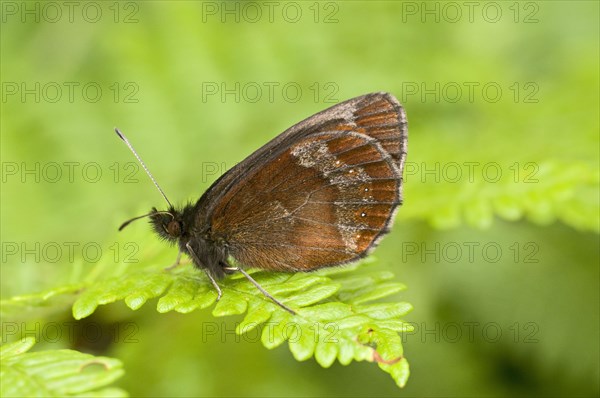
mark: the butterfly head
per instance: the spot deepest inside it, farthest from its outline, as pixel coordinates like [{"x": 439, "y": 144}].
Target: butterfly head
[{"x": 169, "y": 225}]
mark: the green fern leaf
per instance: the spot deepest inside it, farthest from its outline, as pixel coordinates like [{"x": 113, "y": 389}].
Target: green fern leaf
[
  {"x": 56, "y": 373},
  {"x": 541, "y": 192},
  {"x": 39, "y": 305},
  {"x": 336, "y": 319}
]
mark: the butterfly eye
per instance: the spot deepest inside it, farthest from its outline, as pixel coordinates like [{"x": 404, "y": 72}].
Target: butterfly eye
[{"x": 174, "y": 228}]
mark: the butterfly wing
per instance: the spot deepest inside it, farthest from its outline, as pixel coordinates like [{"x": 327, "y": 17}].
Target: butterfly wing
[{"x": 321, "y": 193}]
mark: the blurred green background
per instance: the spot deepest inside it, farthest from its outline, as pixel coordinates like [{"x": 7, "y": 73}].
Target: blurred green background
[{"x": 497, "y": 239}]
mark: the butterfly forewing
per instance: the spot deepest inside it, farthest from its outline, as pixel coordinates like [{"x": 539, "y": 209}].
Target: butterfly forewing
[{"x": 320, "y": 194}]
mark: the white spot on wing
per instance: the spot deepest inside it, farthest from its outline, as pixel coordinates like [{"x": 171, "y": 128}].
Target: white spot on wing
[{"x": 349, "y": 236}]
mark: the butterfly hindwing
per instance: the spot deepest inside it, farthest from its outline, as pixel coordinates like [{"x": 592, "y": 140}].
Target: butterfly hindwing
[{"x": 321, "y": 193}]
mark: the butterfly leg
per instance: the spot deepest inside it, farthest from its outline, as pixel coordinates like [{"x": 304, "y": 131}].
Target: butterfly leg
[
  {"x": 215, "y": 284},
  {"x": 262, "y": 290},
  {"x": 210, "y": 277},
  {"x": 176, "y": 263}
]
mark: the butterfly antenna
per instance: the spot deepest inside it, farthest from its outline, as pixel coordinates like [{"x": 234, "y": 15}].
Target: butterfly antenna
[
  {"x": 121, "y": 136},
  {"x": 126, "y": 223}
]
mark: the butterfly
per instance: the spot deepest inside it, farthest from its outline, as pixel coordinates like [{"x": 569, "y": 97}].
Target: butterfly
[{"x": 322, "y": 193}]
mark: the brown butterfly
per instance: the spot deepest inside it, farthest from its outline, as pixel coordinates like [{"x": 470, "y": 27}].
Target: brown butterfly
[{"x": 321, "y": 194}]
